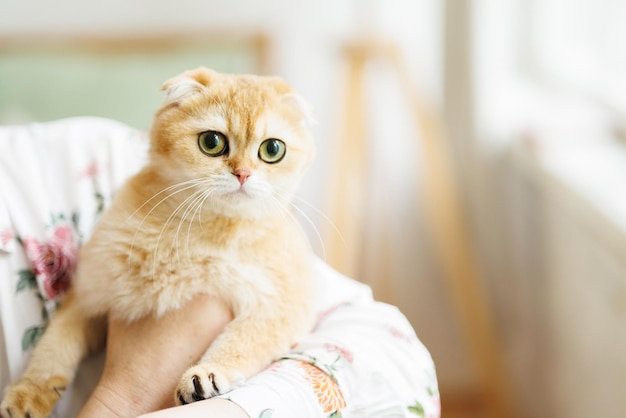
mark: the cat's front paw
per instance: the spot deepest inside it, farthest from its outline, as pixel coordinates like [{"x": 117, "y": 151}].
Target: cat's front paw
[
  {"x": 202, "y": 382},
  {"x": 27, "y": 399}
]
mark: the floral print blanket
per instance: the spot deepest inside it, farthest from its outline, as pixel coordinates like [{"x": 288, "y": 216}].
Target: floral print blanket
[{"x": 362, "y": 360}]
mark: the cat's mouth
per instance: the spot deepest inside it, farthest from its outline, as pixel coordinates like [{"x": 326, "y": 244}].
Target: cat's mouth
[
  {"x": 235, "y": 192},
  {"x": 242, "y": 191}
]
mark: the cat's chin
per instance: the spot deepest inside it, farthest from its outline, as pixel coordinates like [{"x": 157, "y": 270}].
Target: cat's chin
[
  {"x": 250, "y": 212},
  {"x": 241, "y": 204}
]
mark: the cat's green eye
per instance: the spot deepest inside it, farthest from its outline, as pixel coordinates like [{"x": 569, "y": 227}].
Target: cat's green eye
[
  {"x": 213, "y": 143},
  {"x": 272, "y": 150}
]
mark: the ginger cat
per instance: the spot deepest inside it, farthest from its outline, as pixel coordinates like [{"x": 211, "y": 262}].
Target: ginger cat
[{"x": 209, "y": 213}]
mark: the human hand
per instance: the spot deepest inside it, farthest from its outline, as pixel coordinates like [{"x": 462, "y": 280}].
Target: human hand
[{"x": 145, "y": 358}]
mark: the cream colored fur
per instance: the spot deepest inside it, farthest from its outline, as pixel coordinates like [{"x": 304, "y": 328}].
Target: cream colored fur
[{"x": 186, "y": 225}]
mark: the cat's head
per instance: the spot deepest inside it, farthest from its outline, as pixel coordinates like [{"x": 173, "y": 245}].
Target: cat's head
[{"x": 242, "y": 138}]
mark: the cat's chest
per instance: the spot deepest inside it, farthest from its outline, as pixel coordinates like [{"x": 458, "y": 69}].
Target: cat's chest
[
  {"x": 200, "y": 252},
  {"x": 198, "y": 243},
  {"x": 163, "y": 270}
]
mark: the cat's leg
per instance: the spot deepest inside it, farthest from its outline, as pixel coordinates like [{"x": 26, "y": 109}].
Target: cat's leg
[
  {"x": 70, "y": 335},
  {"x": 247, "y": 345}
]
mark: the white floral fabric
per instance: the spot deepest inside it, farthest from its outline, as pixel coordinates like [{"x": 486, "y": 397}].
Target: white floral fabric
[
  {"x": 362, "y": 360},
  {"x": 55, "y": 180}
]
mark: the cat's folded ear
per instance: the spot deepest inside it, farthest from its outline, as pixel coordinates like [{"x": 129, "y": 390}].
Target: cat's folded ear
[
  {"x": 186, "y": 84},
  {"x": 294, "y": 101},
  {"x": 302, "y": 107}
]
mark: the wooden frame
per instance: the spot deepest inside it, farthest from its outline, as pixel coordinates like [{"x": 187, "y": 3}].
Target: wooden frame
[
  {"x": 445, "y": 215},
  {"x": 51, "y": 77}
]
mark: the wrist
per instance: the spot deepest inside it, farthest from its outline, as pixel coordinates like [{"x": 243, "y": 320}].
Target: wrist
[
  {"x": 107, "y": 402},
  {"x": 211, "y": 408}
]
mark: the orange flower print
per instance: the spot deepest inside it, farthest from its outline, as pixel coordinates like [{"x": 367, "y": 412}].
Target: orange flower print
[{"x": 328, "y": 394}]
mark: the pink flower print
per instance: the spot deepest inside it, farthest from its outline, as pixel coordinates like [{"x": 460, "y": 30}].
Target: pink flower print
[
  {"x": 64, "y": 235},
  {"x": 345, "y": 353},
  {"x": 399, "y": 334},
  {"x": 91, "y": 171},
  {"x": 6, "y": 235},
  {"x": 436, "y": 413},
  {"x": 274, "y": 366},
  {"x": 53, "y": 261},
  {"x": 322, "y": 315}
]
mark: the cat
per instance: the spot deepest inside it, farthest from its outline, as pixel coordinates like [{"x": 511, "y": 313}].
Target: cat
[{"x": 208, "y": 213}]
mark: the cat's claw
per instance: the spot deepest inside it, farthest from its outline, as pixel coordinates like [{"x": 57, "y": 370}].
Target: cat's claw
[
  {"x": 199, "y": 383},
  {"x": 27, "y": 399}
]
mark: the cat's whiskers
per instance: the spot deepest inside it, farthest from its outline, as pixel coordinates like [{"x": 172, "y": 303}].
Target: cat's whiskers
[
  {"x": 207, "y": 195},
  {"x": 322, "y": 214},
  {"x": 299, "y": 199},
  {"x": 169, "y": 220},
  {"x": 183, "y": 186},
  {"x": 191, "y": 209},
  {"x": 199, "y": 205},
  {"x": 165, "y": 190},
  {"x": 195, "y": 208},
  {"x": 315, "y": 229},
  {"x": 285, "y": 208}
]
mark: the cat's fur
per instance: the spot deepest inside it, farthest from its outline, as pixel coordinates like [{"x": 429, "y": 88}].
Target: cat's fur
[{"x": 190, "y": 223}]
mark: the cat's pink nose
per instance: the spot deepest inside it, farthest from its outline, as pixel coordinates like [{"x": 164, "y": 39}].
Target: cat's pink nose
[{"x": 242, "y": 175}]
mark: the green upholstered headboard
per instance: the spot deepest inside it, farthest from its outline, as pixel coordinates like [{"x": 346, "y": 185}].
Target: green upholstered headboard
[{"x": 44, "y": 79}]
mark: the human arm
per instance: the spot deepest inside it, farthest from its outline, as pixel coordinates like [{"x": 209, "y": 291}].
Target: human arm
[
  {"x": 145, "y": 358},
  {"x": 363, "y": 359}
]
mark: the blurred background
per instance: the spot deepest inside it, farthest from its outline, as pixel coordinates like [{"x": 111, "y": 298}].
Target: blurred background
[{"x": 471, "y": 161}]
